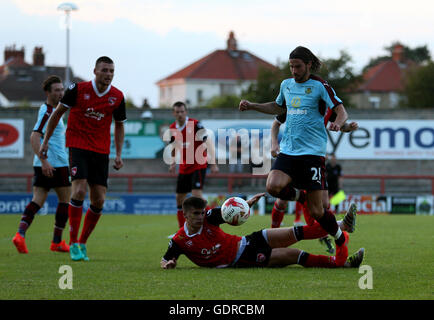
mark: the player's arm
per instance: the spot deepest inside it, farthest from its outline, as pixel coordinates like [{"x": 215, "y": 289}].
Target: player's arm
[
  {"x": 274, "y": 138},
  {"x": 171, "y": 256},
  {"x": 214, "y": 216},
  {"x": 210, "y": 147},
  {"x": 51, "y": 125},
  {"x": 175, "y": 141},
  {"x": 268, "y": 107},
  {"x": 255, "y": 199},
  {"x": 349, "y": 127},
  {"x": 35, "y": 142},
  {"x": 119, "y": 115},
  {"x": 341, "y": 117}
]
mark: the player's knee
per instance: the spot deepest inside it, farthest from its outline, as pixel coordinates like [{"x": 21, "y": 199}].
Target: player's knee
[
  {"x": 79, "y": 194},
  {"x": 273, "y": 189}
]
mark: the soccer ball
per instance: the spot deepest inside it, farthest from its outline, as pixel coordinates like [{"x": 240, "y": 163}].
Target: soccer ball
[{"x": 235, "y": 211}]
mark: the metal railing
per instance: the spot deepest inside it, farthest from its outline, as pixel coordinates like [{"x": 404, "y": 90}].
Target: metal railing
[{"x": 230, "y": 177}]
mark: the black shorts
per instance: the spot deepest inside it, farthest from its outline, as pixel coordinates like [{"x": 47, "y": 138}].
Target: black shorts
[
  {"x": 89, "y": 165},
  {"x": 188, "y": 182},
  {"x": 60, "y": 178},
  {"x": 307, "y": 172},
  {"x": 256, "y": 253}
]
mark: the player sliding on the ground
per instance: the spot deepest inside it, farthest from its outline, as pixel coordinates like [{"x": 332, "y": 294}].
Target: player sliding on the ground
[{"x": 204, "y": 243}]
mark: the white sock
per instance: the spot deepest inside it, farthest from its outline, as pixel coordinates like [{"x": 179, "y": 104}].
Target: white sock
[{"x": 338, "y": 234}]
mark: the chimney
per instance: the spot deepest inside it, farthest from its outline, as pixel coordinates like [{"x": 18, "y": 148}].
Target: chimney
[
  {"x": 398, "y": 53},
  {"x": 12, "y": 53},
  {"x": 231, "y": 42},
  {"x": 38, "y": 57}
]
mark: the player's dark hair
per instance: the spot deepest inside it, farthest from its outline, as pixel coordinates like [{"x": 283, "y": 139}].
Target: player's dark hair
[
  {"x": 104, "y": 59},
  {"x": 179, "y": 104},
  {"x": 46, "y": 85},
  {"x": 306, "y": 56},
  {"x": 194, "y": 203}
]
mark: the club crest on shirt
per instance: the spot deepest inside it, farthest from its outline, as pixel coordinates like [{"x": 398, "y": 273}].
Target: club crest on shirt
[
  {"x": 112, "y": 100},
  {"x": 308, "y": 90},
  {"x": 260, "y": 257}
]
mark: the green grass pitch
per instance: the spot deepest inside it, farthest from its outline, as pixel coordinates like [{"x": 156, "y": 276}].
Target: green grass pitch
[{"x": 125, "y": 253}]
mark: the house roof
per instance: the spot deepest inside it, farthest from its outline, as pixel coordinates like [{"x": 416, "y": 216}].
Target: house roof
[
  {"x": 19, "y": 83},
  {"x": 222, "y": 65},
  {"x": 384, "y": 77},
  {"x": 388, "y": 75}
]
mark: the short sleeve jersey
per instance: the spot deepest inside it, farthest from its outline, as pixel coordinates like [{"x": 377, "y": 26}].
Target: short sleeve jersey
[
  {"x": 91, "y": 114},
  {"x": 305, "y": 104},
  {"x": 57, "y": 154},
  {"x": 210, "y": 247},
  {"x": 190, "y": 144}
]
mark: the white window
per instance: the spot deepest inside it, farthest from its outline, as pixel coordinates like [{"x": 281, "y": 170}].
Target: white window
[{"x": 375, "y": 102}]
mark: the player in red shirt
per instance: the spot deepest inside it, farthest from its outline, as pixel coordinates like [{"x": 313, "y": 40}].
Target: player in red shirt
[
  {"x": 207, "y": 245},
  {"x": 188, "y": 137},
  {"x": 93, "y": 105}
]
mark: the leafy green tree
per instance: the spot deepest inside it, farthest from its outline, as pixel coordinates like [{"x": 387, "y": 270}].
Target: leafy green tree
[
  {"x": 419, "y": 89},
  {"x": 340, "y": 75},
  {"x": 338, "y": 72},
  {"x": 227, "y": 101}
]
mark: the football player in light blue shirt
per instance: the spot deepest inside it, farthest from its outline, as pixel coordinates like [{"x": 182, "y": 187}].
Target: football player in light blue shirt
[
  {"x": 301, "y": 162},
  {"x": 52, "y": 172}
]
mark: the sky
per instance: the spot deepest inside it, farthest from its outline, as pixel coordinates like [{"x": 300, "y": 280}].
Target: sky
[{"x": 149, "y": 40}]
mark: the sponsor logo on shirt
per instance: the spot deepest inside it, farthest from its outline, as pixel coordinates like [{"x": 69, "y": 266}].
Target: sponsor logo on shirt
[
  {"x": 91, "y": 113},
  {"x": 295, "y": 102},
  {"x": 297, "y": 111}
]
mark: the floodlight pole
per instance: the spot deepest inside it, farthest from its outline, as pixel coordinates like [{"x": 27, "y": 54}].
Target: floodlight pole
[{"x": 67, "y": 7}]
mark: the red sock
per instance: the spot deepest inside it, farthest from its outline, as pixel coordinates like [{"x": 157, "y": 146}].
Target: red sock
[
  {"x": 277, "y": 215},
  {"x": 74, "y": 213},
  {"x": 307, "y": 217},
  {"x": 90, "y": 221},
  {"x": 314, "y": 231},
  {"x": 298, "y": 211},
  {"x": 319, "y": 261},
  {"x": 180, "y": 216}
]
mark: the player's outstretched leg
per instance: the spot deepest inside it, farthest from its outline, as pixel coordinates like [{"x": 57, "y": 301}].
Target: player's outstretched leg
[
  {"x": 342, "y": 250},
  {"x": 355, "y": 260}
]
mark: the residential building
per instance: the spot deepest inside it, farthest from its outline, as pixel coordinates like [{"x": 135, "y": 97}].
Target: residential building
[{"x": 222, "y": 72}]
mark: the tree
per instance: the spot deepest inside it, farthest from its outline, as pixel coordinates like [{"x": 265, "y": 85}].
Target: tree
[
  {"x": 419, "y": 89},
  {"x": 267, "y": 85},
  {"x": 338, "y": 73},
  {"x": 228, "y": 101}
]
